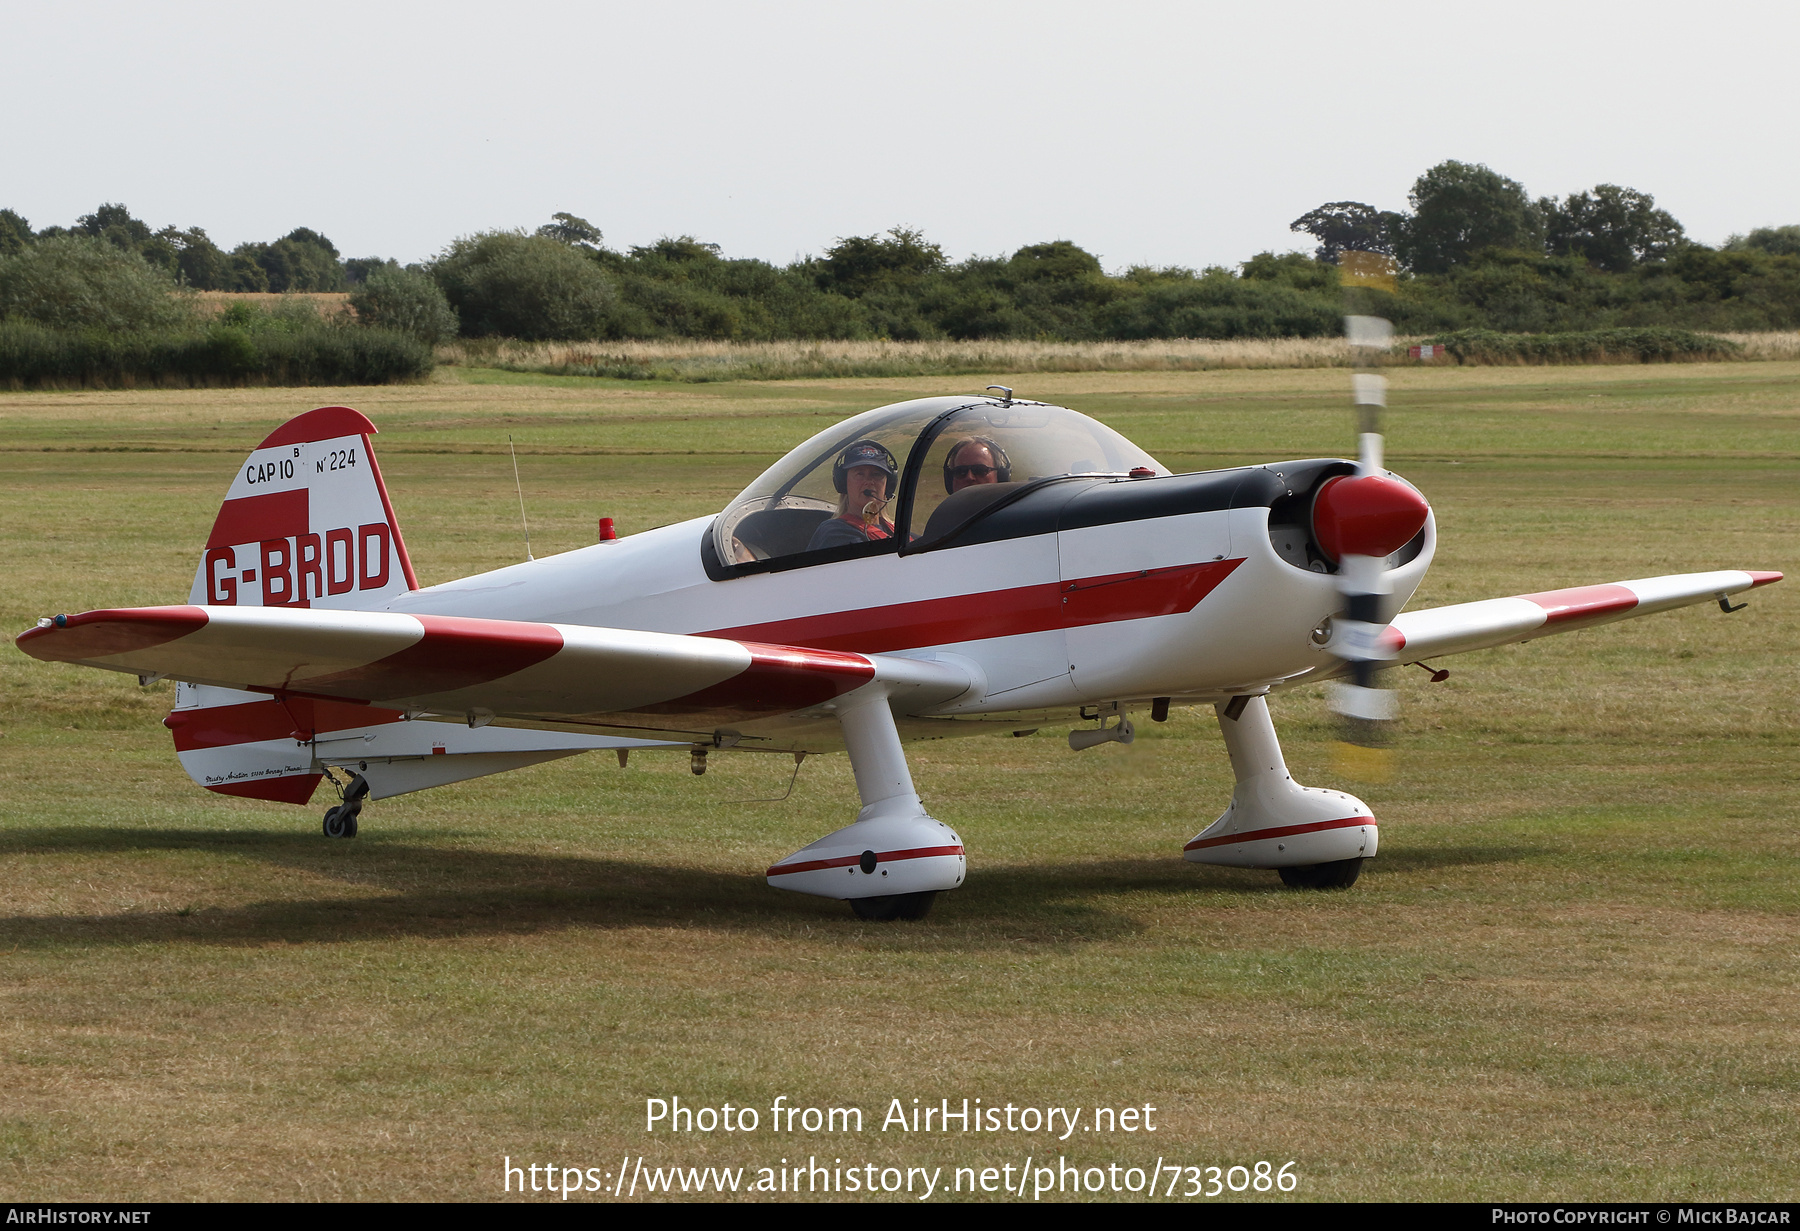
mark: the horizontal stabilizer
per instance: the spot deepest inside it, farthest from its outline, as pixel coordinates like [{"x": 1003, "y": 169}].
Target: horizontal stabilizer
[{"x": 483, "y": 669}]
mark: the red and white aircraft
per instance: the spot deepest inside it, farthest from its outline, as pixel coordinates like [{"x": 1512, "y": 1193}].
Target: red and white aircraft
[{"x": 948, "y": 566}]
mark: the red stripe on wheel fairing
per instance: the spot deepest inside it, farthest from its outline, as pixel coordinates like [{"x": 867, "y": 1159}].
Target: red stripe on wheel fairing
[
  {"x": 1279, "y": 831},
  {"x": 455, "y": 652},
  {"x": 1583, "y": 602},
  {"x": 102, "y": 634},
  {"x": 847, "y": 861}
]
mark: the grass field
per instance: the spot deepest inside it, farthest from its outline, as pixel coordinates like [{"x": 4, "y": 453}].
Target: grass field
[{"x": 1571, "y": 974}]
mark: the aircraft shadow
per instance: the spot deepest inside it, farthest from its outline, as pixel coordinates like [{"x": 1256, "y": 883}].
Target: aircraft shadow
[{"x": 410, "y": 890}]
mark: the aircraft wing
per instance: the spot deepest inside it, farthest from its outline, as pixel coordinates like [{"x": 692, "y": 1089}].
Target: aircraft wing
[
  {"x": 484, "y": 669},
  {"x": 1461, "y": 627}
]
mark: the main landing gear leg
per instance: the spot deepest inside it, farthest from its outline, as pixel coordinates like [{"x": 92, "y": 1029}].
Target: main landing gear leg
[
  {"x": 1316, "y": 839},
  {"x": 892, "y": 862},
  {"x": 340, "y": 822}
]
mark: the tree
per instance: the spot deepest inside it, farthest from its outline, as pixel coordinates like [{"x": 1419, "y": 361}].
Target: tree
[
  {"x": 114, "y": 223},
  {"x": 198, "y": 261},
  {"x": 406, "y": 300},
  {"x": 1059, "y": 260},
  {"x": 1460, "y": 208},
  {"x": 860, "y": 263},
  {"x": 679, "y": 249},
  {"x": 301, "y": 260},
  {"x": 358, "y": 268},
  {"x": 571, "y": 230},
  {"x": 1614, "y": 228},
  {"x": 15, "y": 232},
  {"x": 1776, "y": 241},
  {"x": 1295, "y": 269},
  {"x": 243, "y": 269},
  {"x": 1057, "y": 274},
  {"x": 83, "y": 282},
  {"x": 511, "y": 284},
  {"x": 1349, "y": 226}
]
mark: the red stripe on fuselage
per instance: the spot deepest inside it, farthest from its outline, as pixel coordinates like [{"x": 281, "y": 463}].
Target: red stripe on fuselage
[
  {"x": 1583, "y": 602},
  {"x": 102, "y": 634},
  {"x": 998, "y": 613},
  {"x": 455, "y": 652},
  {"x": 248, "y": 722}
]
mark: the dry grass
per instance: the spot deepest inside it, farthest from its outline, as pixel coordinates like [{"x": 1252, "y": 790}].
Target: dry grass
[
  {"x": 328, "y": 303},
  {"x": 689, "y": 359},
  {"x": 1770, "y": 345}
]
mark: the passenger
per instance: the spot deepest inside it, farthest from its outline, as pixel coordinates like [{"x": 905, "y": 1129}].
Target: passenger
[
  {"x": 865, "y": 476},
  {"x": 975, "y": 460}
]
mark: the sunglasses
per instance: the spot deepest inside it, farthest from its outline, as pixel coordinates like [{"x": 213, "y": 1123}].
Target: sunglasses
[{"x": 973, "y": 472}]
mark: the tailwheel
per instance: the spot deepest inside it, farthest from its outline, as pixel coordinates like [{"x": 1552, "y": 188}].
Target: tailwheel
[
  {"x": 894, "y": 906},
  {"x": 340, "y": 822},
  {"x": 1338, "y": 874}
]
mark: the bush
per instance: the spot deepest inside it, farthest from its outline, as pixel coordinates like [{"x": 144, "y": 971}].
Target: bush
[
  {"x": 406, "y": 301},
  {"x": 510, "y": 284},
  {"x": 78, "y": 282},
  {"x": 33, "y": 356},
  {"x": 1586, "y": 346},
  {"x": 1218, "y": 305}
]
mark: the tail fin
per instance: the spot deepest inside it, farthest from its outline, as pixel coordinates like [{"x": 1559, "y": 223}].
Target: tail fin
[{"x": 307, "y": 523}]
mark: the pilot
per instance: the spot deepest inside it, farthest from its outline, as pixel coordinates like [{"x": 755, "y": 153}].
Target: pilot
[
  {"x": 865, "y": 475},
  {"x": 974, "y": 460}
]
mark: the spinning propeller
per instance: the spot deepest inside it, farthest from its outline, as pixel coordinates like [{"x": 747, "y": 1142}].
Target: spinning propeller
[{"x": 1360, "y": 521}]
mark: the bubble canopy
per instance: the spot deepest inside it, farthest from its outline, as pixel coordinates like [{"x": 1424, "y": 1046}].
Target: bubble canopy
[{"x": 955, "y": 458}]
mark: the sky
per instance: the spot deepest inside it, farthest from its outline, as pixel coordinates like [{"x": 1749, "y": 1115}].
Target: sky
[{"x": 1149, "y": 133}]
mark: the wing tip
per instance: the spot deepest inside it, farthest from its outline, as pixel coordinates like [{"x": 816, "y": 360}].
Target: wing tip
[
  {"x": 1761, "y": 579},
  {"x": 109, "y": 631}
]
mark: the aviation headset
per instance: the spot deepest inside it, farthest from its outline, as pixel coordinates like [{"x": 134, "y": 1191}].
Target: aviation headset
[
  {"x": 864, "y": 453},
  {"x": 1002, "y": 463}
]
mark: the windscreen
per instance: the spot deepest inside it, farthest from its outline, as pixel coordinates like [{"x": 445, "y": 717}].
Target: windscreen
[{"x": 974, "y": 452}]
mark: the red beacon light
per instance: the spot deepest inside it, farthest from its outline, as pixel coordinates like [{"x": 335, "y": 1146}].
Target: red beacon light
[{"x": 607, "y": 533}]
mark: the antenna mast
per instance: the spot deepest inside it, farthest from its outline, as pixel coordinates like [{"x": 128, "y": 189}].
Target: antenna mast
[{"x": 517, "y": 486}]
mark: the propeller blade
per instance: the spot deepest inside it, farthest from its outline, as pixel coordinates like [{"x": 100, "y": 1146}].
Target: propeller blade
[{"x": 1360, "y": 521}]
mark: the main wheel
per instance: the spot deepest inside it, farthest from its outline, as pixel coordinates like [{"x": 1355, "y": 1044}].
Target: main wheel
[
  {"x": 1338, "y": 874},
  {"x": 894, "y": 906},
  {"x": 340, "y": 822}
]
